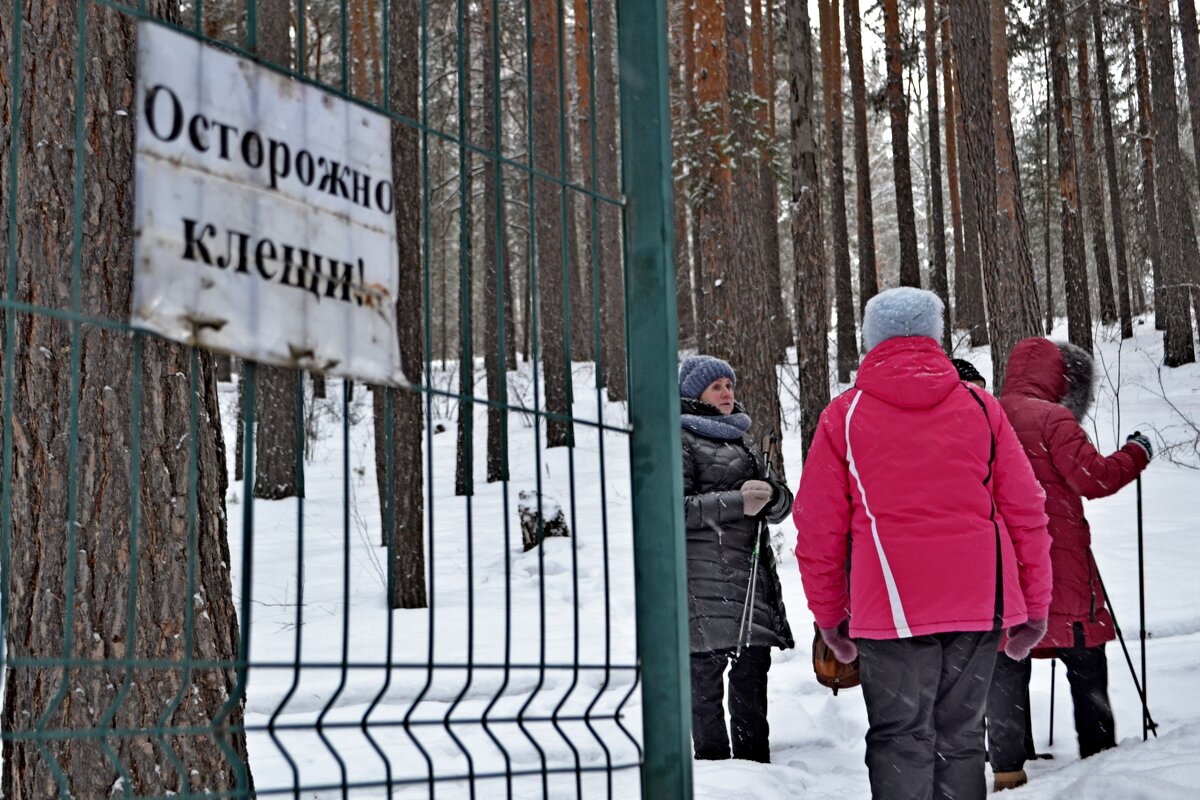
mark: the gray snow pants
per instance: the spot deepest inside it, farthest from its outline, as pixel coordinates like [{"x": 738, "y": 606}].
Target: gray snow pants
[{"x": 925, "y": 701}]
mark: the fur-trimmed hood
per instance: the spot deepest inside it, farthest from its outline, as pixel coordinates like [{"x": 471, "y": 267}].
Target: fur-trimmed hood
[{"x": 1057, "y": 372}]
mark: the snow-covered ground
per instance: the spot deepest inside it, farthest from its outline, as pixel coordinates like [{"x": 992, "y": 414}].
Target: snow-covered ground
[{"x": 572, "y": 603}]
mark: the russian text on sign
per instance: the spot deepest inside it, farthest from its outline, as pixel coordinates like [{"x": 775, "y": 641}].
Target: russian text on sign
[{"x": 265, "y": 223}]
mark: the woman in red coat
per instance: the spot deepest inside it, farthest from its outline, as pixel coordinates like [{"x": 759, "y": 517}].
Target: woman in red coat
[{"x": 1047, "y": 392}]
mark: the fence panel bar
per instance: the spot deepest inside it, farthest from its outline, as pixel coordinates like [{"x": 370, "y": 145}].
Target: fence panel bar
[{"x": 655, "y": 458}]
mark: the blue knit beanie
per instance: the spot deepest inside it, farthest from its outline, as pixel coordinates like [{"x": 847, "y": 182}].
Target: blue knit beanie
[
  {"x": 696, "y": 373},
  {"x": 905, "y": 311}
]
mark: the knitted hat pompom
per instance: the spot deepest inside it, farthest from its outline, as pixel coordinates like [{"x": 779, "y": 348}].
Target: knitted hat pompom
[{"x": 697, "y": 373}]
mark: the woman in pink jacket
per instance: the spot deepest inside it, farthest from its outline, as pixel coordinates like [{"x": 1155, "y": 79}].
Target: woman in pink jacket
[{"x": 922, "y": 537}]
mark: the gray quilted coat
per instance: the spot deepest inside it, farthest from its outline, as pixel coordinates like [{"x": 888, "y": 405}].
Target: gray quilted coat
[{"x": 720, "y": 541}]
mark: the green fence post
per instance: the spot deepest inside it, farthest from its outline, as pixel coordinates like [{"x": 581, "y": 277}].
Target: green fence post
[{"x": 655, "y": 459}]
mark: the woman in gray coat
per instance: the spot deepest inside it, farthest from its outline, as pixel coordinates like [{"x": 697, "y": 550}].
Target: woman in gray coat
[{"x": 729, "y": 491}]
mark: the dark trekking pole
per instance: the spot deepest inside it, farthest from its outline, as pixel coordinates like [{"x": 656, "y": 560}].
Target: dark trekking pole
[
  {"x": 748, "y": 607},
  {"x": 747, "y": 620},
  {"x": 1147, "y": 721},
  {"x": 1142, "y": 607},
  {"x": 1053, "y": 663}
]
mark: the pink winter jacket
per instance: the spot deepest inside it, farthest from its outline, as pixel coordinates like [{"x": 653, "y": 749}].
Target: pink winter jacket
[{"x": 931, "y": 494}]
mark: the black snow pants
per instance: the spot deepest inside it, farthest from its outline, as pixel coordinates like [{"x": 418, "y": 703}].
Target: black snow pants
[
  {"x": 925, "y": 701},
  {"x": 747, "y": 704},
  {"x": 1087, "y": 672}
]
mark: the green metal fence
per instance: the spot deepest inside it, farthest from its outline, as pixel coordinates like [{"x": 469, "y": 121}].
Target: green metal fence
[{"x": 167, "y": 633}]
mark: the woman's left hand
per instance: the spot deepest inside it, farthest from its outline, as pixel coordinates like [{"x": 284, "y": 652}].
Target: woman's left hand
[{"x": 755, "y": 496}]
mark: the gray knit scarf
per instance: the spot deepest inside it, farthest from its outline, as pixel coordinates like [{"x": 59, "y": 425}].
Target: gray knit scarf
[{"x": 706, "y": 420}]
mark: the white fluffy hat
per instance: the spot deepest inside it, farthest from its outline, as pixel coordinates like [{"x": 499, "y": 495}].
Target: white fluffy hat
[{"x": 904, "y": 311}]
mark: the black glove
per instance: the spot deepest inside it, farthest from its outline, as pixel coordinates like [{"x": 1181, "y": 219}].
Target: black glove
[{"x": 1141, "y": 441}]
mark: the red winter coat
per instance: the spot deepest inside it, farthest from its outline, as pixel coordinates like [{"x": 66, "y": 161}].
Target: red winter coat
[
  {"x": 1038, "y": 381},
  {"x": 942, "y": 537}
]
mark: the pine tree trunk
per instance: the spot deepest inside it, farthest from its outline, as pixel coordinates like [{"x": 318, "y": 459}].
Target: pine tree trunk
[
  {"x": 696, "y": 153},
  {"x": 831, "y": 85},
  {"x": 968, "y": 283},
  {"x": 1175, "y": 209},
  {"x": 713, "y": 199},
  {"x": 1110, "y": 165},
  {"x": 464, "y": 458},
  {"x": 223, "y": 367},
  {"x": 1075, "y": 282},
  {"x": 938, "y": 279},
  {"x": 1009, "y": 283},
  {"x": 810, "y": 270},
  {"x": 868, "y": 273},
  {"x": 77, "y": 561},
  {"x": 497, "y": 334},
  {"x": 1091, "y": 176},
  {"x": 1191, "y": 62},
  {"x": 972, "y": 28},
  {"x": 906, "y": 219},
  {"x": 359, "y": 76},
  {"x": 277, "y": 389},
  {"x": 579, "y": 205},
  {"x": 405, "y": 502},
  {"x": 1048, "y": 182},
  {"x": 1146, "y": 134},
  {"x": 511, "y": 283},
  {"x": 768, "y": 216},
  {"x": 612, "y": 262},
  {"x": 755, "y": 325},
  {"x": 679, "y": 21},
  {"x": 952, "y": 183},
  {"x": 549, "y": 219}
]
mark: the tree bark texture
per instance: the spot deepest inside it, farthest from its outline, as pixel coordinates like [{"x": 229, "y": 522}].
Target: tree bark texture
[
  {"x": 464, "y": 452},
  {"x": 812, "y": 344},
  {"x": 906, "y": 219},
  {"x": 971, "y": 26},
  {"x": 756, "y": 350},
  {"x": 952, "y": 183},
  {"x": 698, "y": 178},
  {"x": 843, "y": 289},
  {"x": 84, "y": 580},
  {"x": 1075, "y": 279},
  {"x": 939, "y": 281},
  {"x": 968, "y": 274},
  {"x": 583, "y": 343},
  {"x": 1191, "y": 62},
  {"x": 1009, "y": 283},
  {"x": 763, "y": 74},
  {"x": 679, "y": 22},
  {"x": 1048, "y": 182},
  {"x": 1124, "y": 310},
  {"x": 278, "y": 465},
  {"x": 1146, "y": 133},
  {"x": 1092, "y": 193},
  {"x": 404, "y": 500},
  {"x": 550, "y": 255},
  {"x": 868, "y": 273},
  {"x": 576, "y": 74},
  {"x": 498, "y": 333},
  {"x": 612, "y": 261},
  {"x": 1175, "y": 210},
  {"x": 712, "y": 193}
]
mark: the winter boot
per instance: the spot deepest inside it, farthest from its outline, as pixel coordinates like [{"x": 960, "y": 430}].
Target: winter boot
[{"x": 1009, "y": 780}]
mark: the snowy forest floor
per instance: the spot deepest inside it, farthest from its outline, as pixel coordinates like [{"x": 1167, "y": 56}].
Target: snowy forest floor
[{"x": 572, "y": 602}]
